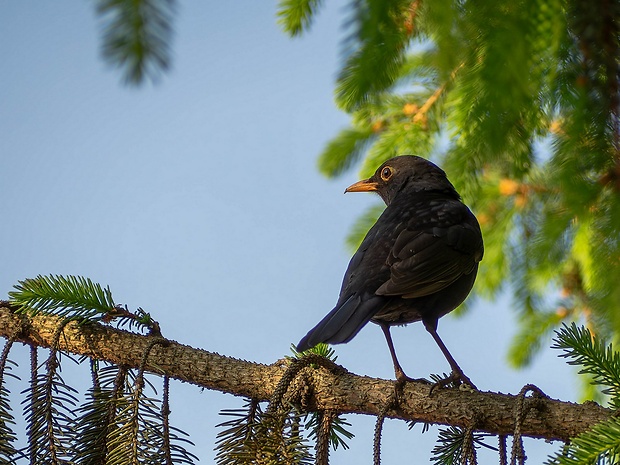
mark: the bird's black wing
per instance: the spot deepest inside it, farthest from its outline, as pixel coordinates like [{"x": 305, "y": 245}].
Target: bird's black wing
[{"x": 433, "y": 251}]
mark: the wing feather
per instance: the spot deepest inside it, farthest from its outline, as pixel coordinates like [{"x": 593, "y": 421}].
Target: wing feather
[{"x": 427, "y": 261}]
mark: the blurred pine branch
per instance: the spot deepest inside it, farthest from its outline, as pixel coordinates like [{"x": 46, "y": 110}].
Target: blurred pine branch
[{"x": 137, "y": 36}]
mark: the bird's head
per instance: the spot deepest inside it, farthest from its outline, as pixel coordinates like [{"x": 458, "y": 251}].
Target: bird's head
[{"x": 409, "y": 173}]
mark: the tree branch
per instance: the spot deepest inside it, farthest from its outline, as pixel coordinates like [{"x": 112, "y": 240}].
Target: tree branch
[{"x": 315, "y": 387}]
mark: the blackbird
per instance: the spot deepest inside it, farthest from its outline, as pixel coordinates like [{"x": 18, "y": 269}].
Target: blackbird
[{"x": 417, "y": 263}]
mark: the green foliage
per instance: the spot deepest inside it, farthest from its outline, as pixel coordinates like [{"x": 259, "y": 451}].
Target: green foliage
[
  {"x": 601, "y": 444},
  {"x": 280, "y": 434},
  {"x": 594, "y": 357},
  {"x": 77, "y": 298},
  {"x": 296, "y": 15},
  {"x": 374, "y": 48},
  {"x": 451, "y": 444},
  {"x": 116, "y": 424},
  {"x": 119, "y": 422},
  {"x": 344, "y": 150},
  {"x": 137, "y": 434},
  {"x": 237, "y": 443},
  {"x": 8, "y": 438},
  {"x": 71, "y": 296},
  {"x": 255, "y": 436},
  {"x": 49, "y": 414},
  {"x": 95, "y": 416},
  {"x": 520, "y": 104},
  {"x": 338, "y": 434},
  {"x": 137, "y": 36},
  {"x": 321, "y": 349}
]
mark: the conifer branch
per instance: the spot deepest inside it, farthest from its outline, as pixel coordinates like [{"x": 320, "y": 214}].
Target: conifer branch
[
  {"x": 137, "y": 36},
  {"x": 420, "y": 115},
  {"x": 341, "y": 392}
]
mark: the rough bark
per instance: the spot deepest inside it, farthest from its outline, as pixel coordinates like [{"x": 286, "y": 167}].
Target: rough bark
[{"x": 315, "y": 387}]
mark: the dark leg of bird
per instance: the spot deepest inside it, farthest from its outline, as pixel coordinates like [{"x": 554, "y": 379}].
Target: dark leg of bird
[
  {"x": 457, "y": 374},
  {"x": 400, "y": 374},
  {"x": 401, "y": 377}
]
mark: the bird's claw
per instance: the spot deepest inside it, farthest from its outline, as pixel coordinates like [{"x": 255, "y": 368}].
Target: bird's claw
[
  {"x": 402, "y": 378},
  {"x": 457, "y": 379},
  {"x": 406, "y": 379}
]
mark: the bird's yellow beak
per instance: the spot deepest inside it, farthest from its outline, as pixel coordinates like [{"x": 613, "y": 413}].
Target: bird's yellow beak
[{"x": 366, "y": 185}]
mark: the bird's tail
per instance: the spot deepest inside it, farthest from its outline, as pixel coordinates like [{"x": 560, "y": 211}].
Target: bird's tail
[{"x": 343, "y": 322}]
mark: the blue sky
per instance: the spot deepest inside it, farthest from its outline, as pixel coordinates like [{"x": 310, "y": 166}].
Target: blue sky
[{"x": 198, "y": 199}]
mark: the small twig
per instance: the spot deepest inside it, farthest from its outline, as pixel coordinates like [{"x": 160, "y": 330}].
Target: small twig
[
  {"x": 503, "y": 460},
  {"x": 165, "y": 413},
  {"x": 7, "y": 348},
  {"x": 518, "y": 453},
  {"x": 376, "y": 445},
  {"x": 392, "y": 401},
  {"x": 34, "y": 388},
  {"x": 139, "y": 386},
  {"x": 468, "y": 454},
  {"x": 52, "y": 365},
  {"x": 322, "y": 441},
  {"x": 421, "y": 113}
]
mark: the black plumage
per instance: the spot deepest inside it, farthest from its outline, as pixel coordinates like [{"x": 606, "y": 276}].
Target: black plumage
[{"x": 417, "y": 263}]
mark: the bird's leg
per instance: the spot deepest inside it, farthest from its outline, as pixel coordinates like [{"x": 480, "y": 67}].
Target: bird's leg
[
  {"x": 398, "y": 370},
  {"x": 401, "y": 377},
  {"x": 457, "y": 374}
]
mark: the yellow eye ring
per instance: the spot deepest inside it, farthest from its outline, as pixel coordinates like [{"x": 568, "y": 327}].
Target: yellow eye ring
[{"x": 386, "y": 173}]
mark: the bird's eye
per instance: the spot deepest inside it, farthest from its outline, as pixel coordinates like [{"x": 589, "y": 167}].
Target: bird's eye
[{"x": 386, "y": 173}]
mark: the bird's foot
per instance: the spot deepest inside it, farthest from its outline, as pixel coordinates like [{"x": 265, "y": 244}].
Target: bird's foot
[
  {"x": 402, "y": 378},
  {"x": 399, "y": 385},
  {"x": 455, "y": 379}
]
